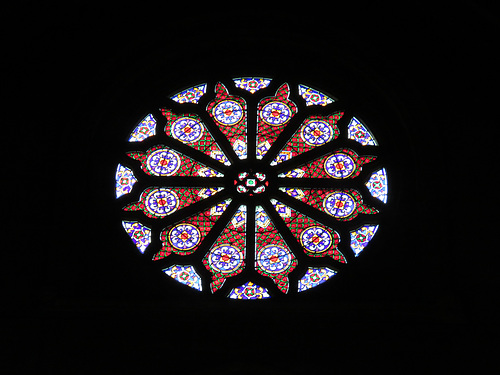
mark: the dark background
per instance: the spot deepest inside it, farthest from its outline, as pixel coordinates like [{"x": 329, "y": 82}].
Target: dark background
[{"x": 78, "y": 299}]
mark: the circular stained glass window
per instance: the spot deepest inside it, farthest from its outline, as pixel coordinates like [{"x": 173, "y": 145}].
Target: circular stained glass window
[{"x": 251, "y": 188}]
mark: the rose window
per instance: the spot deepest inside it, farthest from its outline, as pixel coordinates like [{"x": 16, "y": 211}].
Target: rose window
[{"x": 251, "y": 188}]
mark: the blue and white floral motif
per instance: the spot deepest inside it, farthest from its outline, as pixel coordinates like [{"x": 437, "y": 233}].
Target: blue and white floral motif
[
  {"x": 361, "y": 236},
  {"x": 240, "y": 217},
  {"x": 190, "y": 95},
  {"x": 315, "y": 276},
  {"x": 140, "y": 234},
  {"x": 316, "y": 239},
  {"x": 228, "y": 112},
  {"x": 283, "y": 210},
  {"x": 274, "y": 259},
  {"x": 261, "y": 218},
  {"x": 162, "y": 202},
  {"x": 377, "y": 185},
  {"x": 339, "y": 204},
  {"x": 145, "y": 129},
  {"x": 240, "y": 149},
  {"x": 186, "y": 130},
  {"x": 262, "y": 149},
  {"x": 339, "y": 165},
  {"x": 358, "y": 132},
  {"x": 219, "y": 156},
  {"x": 251, "y": 84},
  {"x": 249, "y": 290},
  {"x": 164, "y": 162},
  {"x": 293, "y": 192},
  {"x": 281, "y": 157},
  {"x": 316, "y": 133},
  {"x": 276, "y": 113},
  {"x": 184, "y": 237},
  {"x": 185, "y": 275},
  {"x": 314, "y": 97},
  {"x": 125, "y": 180},
  {"x": 225, "y": 258}
]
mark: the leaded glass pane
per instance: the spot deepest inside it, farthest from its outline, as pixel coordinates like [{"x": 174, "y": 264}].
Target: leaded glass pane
[
  {"x": 315, "y": 276},
  {"x": 273, "y": 258},
  {"x": 360, "y": 133},
  {"x": 184, "y": 237},
  {"x": 361, "y": 236},
  {"x": 273, "y": 114},
  {"x": 125, "y": 180},
  {"x": 227, "y": 256},
  {"x": 314, "y": 97},
  {"x": 163, "y": 161},
  {"x": 145, "y": 129},
  {"x": 229, "y": 112},
  {"x": 185, "y": 275},
  {"x": 342, "y": 204},
  {"x": 315, "y": 131},
  {"x": 252, "y": 84},
  {"x": 377, "y": 185},
  {"x": 249, "y": 290},
  {"x": 316, "y": 239},
  {"x": 190, "y": 95},
  {"x": 340, "y": 164},
  {"x": 158, "y": 202},
  {"x": 190, "y": 129},
  {"x": 140, "y": 234}
]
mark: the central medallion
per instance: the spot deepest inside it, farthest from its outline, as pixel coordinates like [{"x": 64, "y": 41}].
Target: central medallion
[{"x": 251, "y": 183}]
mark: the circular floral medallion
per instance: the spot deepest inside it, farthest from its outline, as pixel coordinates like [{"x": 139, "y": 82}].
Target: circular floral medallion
[
  {"x": 228, "y": 112},
  {"x": 316, "y": 239},
  {"x": 225, "y": 258},
  {"x": 161, "y": 201},
  {"x": 273, "y": 259},
  {"x": 340, "y": 165},
  {"x": 163, "y": 162},
  {"x": 316, "y": 133},
  {"x": 339, "y": 204},
  {"x": 276, "y": 113},
  {"x": 187, "y": 130},
  {"x": 184, "y": 236}
]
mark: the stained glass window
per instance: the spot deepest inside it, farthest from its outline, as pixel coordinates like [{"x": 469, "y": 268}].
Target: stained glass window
[{"x": 251, "y": 187}]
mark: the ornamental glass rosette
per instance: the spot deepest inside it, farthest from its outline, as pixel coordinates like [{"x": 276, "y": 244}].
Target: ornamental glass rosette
[{"x": 250, "y": 188}]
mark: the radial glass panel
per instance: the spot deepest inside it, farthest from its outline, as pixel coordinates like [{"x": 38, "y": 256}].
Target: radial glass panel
[
  {"x": 316, "y": 239},
  {"x": 163, "y": 161},
  {"x": 190, "y": 130},
  {"x": 229, "y": 112},
  {"x": 340, "y": 164},
  {"x": 273, "y": 258},
  {"x": 227, "y": 256},
  {"x": 315, "y": 131},
  {"x": 273, "y": 113}
]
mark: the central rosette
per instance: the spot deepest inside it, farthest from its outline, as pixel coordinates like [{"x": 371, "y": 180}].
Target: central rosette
[{"x": 251, "y": 183}]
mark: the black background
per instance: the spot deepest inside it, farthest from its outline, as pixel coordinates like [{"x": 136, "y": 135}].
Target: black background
[{"x": 78, "y": 299}]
